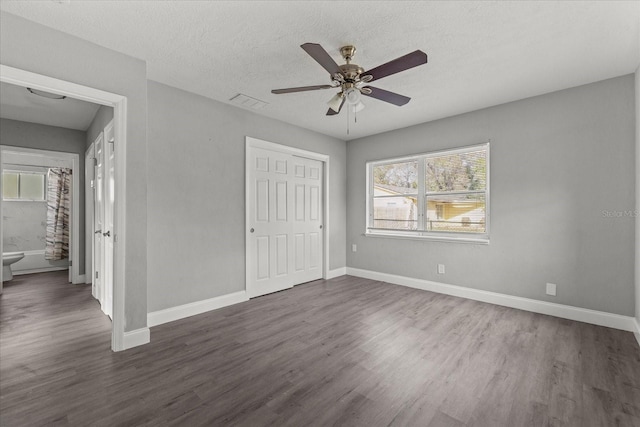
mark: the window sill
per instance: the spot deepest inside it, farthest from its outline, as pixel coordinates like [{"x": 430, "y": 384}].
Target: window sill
[{"x": 444, "y": 239}]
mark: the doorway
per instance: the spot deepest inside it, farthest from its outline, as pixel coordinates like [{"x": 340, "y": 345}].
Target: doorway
[
  {"x": 16, "y": 161},
  {"x": 118, "y": 233},
  {"x": 286, "y": 217}
]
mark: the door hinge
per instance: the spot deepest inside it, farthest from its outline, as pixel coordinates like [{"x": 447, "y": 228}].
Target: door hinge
[
  {"x": 70, "y": 263},
  {"x": 95, "y": 161},
  {"x": 93, "y": 184},
  {"x": 96, "y": 274}
]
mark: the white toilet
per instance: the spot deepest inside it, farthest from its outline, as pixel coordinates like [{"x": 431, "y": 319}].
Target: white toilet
[{"x": 9, "y": 258}]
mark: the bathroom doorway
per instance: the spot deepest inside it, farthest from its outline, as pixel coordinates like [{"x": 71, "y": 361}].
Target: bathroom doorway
[
  {"x": 29, "y": 228},
  {"x": 26, "y": 79}
]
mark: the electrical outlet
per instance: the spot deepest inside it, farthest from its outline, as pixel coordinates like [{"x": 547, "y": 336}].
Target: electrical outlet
[
  {"x": 354, "y": 248},
  {"x": 551, "y": 289},
  {"x": 440, "y": 268}
]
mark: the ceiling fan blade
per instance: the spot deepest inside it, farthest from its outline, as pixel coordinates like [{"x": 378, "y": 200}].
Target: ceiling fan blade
[
  {"x": 386, "y": 96},
  {"x": 403, "y": 63},
  {"x": 332, "y": 112},
  {"x": 321, "y": 56},
  {"x": 301, "y": 89}
]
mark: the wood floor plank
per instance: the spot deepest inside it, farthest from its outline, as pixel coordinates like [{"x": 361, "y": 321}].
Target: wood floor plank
[{"x": 343, "y": 352}]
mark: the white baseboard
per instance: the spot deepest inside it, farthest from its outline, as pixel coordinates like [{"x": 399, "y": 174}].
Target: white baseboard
[
  {"x": 137, "y": 337},
  {"x": 34, "y": 262},
  {"x": 601, "y": 318},
  {"x": 337, "y": 272},
  {"x": 637, "y": 330},
  {"x": 39, "y": 270},
  {"x": 159, "y": 317}
]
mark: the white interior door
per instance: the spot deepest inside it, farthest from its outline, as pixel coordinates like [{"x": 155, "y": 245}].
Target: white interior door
[
  {"x": 98, "y": 215},
  {"x": 109, "y": 199},
  {"x": 89, "y": 170},
  {"x": 308, "y": 211},
  {"x": 285, "y": 238}
]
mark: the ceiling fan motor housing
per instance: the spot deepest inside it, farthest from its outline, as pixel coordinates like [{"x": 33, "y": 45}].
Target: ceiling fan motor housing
[{"x": 351, "y": 71}]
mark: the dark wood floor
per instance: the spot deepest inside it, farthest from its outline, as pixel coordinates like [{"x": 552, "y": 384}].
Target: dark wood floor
[{"x": 347, "y": 351}]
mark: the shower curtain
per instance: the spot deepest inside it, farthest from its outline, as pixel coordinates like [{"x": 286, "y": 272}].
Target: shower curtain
[{"x": 58, "y": 205}]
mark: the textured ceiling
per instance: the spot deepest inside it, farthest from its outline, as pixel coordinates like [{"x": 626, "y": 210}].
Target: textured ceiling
[
  {"x": 16, "y": 103},
  {"x": 480, "y": 53}
]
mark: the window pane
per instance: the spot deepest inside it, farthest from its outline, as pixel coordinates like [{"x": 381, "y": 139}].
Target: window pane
[
  {"x": 10, "y": 185},
  {"x": 397, "y": 213},
  {"x": 31, "y": 186},
  {"x": 461, "y": 213},
  {"x": 457, "y": 172},
  {"x": 397, "y": 178}
]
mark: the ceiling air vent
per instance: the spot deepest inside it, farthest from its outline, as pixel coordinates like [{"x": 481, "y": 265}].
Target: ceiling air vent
[{"x": 248, "y": 102}]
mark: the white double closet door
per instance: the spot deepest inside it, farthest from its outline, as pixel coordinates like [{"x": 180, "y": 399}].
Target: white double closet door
[{"x": 285, "y": 243}]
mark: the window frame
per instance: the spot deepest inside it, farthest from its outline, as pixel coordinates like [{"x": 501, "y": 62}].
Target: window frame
[
  {"x": 422, "y": 233},
  {"x": 26, "y": 172}
]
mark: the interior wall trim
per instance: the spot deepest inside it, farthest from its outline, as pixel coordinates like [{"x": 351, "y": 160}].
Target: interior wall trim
[
  {"x": 336, "y": 273},
  {"x": 636, "y": 332},
  {"x": 601, "y": 318},
  {"x": 136, "y": 337},
  {"x": 170, "y": 314}
]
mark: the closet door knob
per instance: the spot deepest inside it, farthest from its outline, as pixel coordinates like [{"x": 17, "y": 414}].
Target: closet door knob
[
  {"x": 252, "y": 230},
  {"x": 98, "y": 232},
  {"x": 108, "y": 233}
]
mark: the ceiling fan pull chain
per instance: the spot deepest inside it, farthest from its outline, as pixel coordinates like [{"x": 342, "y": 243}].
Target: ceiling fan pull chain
[{"x": 348, "y": 108}]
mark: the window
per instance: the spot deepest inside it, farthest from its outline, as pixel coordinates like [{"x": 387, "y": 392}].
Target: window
[
  {"x": 23, "y": 186},
  {"x": 442, "y": 195}
]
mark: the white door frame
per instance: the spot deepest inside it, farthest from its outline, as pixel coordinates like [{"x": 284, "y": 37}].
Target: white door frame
[
  {"x": 45, "y": 158},
  {"x": 119, "y": 103},
  {"x": 251, "y": 142}
]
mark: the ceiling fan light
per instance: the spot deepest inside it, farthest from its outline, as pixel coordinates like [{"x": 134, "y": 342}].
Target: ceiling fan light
[
  {"x": 44, "y": 94},
  {"x": 358, "y": 107},
  {"x": 353, "y": 96},
  {"x": 335, "y": 102}
]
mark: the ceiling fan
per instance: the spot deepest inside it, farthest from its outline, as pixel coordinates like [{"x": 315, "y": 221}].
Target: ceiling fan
[{"x": 353, "y": 81}]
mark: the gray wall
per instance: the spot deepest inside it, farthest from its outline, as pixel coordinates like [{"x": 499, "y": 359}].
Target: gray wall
[
  {"x": 557, "y": 162},
  {"x": 51, "y": 138},
  {"x": 24, "y": 226},
  {"x": 33, "y": 47},
  {"x": 196, "y": 215},
  {"x": 102, "y": 118}
]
